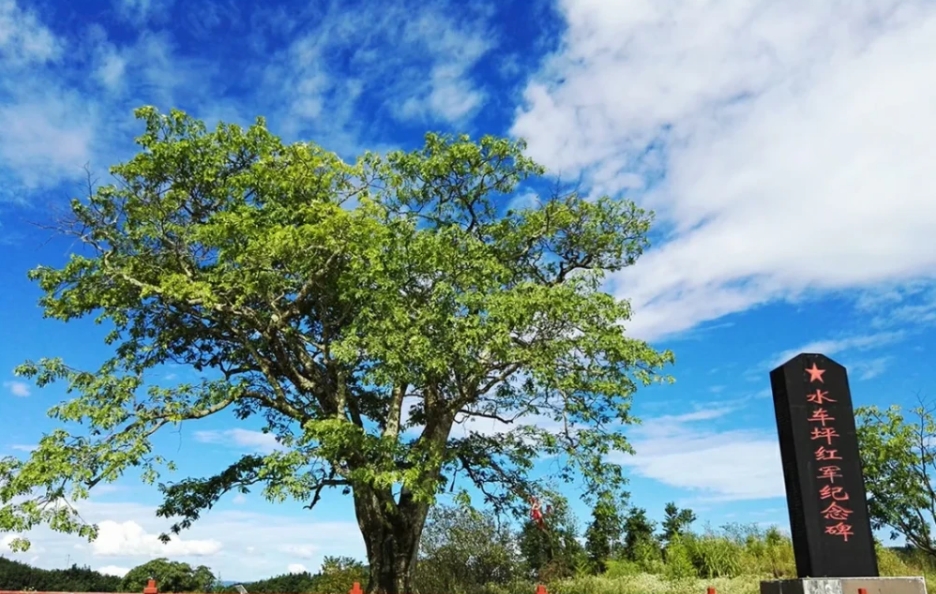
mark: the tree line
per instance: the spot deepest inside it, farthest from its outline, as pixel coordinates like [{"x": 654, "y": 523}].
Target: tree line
[{"x": 468, "y": 551}]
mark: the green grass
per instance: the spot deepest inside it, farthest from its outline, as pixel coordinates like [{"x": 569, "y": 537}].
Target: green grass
[{"x": 729, "y": 565}]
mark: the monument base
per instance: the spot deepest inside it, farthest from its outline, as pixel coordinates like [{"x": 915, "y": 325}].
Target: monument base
[{"x": 856, "y": 585}]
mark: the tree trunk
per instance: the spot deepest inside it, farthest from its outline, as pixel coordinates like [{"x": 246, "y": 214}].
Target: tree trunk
[{"x": 391, "y": 532}]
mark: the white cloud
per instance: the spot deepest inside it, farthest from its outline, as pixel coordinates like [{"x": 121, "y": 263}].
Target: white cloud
[
  {"x": 448, "y": 93},
  {"x": 24, "y": 39},
  {"x": 129, "y": 539},
  {"x": 296, "y": 568},
  {"x": 114, "y": 570},
  {"x": 6, "y": 540},
  {"x": 141, "y": 12},
  {"x": 239, "y": 499},
  {"x": 912, "y": 304},
  {"x": 794, "y": 138},
  {"x": 241, "y": 438},
  {"x": 242, "y": 545},
  {"x": 724, "y": 466},
  {"x": 427, "y": 76},
  {"x": 302, "y": 551},
  {"x": 23, "y": 447},
  {"x": 55, "y": 119},
  {"x": 51, "y": 135},
  {"x": 20, "y": 389},
  {"x": 831, "y": 347},
  {"x": 68, "y": 98},
  {"x": 871, "y": 368}
]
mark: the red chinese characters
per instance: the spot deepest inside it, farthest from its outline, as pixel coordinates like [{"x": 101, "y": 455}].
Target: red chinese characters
[
  {"x": 819, "y": 397},
  {"x": 821, "y": 416},
  {"x": 826, "y": 433},
  {"x": 829, "y": 473},
  {"x": 825, "y": 454},
  {"x": 835, "y": 512}
]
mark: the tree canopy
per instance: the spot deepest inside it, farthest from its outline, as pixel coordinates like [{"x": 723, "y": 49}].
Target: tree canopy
[
  {"x": 603, "y": 535},
  {"x": 170, "y": 576},
  {"x": 465, "y": 550},
  {"x": 899, "y": 465},
  {"x": 20, "y": 577},
  {"x": 356, "y": 311}
]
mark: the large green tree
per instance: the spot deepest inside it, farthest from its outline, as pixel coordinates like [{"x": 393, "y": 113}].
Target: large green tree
[
  {"x": 898, "y": 458},
  {"x": 170, "y": 576},
  {"x": 359, "y": 311}
]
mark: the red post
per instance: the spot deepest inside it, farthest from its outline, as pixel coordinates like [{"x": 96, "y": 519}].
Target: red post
[
  {"x": 862, "y": 591},
  {"x": 356, "y": 589},
  {"x": 711, "y": 590},
  {"x": 541, "y": 589},
  {"x": 151, "y": 587}
]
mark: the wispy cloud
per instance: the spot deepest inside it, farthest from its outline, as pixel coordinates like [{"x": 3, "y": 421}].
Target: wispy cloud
[
  {"x": 25, "y": 40},
  {"x": 784, "y": 145},
  {"x": 239, "y": 544},
  {"x": 311, "y": 69},
  {"x": 114, "y": 570},
  {"x": 240, "y": 438},
  {"x": 130, "y": 539},
  {"x": 909, "y": 304},
  {"x": 17, "y": 388},
  {"x": 834, "y": 346},
  {"x": 871, "y": 368},
  {"x": 683, "y": 451},
  {"x": 143, "y": 12},
  {"x": 427, "y": 77}
]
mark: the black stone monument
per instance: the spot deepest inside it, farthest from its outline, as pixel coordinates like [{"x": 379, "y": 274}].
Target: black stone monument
[{"x": 822, "y": 469}]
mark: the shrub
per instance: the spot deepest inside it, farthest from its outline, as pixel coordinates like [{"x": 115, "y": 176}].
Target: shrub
[
  {"x": 715, "y": 556},
  {"x": 678, "y": 561}
]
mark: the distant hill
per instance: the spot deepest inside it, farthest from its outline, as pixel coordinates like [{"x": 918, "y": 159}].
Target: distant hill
[
  {"x": 18, "y": 576},
  {"x": 15, "y": 575}
]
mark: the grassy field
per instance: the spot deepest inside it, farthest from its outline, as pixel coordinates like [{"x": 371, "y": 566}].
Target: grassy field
[
  {"x": 731, "y": 567},
  {"x": 747, "y": 570}
]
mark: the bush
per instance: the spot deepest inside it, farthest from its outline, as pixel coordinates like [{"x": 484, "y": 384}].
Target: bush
[
  {"x": 715, "y": 556},
  {"x": 678, "y": 561},
  {"x": 768, "y": 554}
]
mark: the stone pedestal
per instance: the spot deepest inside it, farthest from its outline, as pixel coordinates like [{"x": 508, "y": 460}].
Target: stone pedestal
[{"x": 857, "y": 585}]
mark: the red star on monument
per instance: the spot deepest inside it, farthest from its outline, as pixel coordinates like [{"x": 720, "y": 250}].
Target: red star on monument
[{"x": 815, "y": 374}]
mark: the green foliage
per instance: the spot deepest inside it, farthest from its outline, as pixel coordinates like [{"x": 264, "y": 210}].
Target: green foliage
[
  {"x": 170, "y": 576},
  {"x": 288, "y": 583},
  {"x": 768, "y": 553},
  {"x": 761, "y": 554},
  {"x": 640, "y": 543},
  {"x": 897, "y": 459},
  {"x": 676, "y": 521},
  {"x": 464, "y": 550},
  {"x": 336, "y": 576},
  {"x": 714, "y": 555},
  {"x": 603, "y": 535},
  {"x": 318, "y": 297},
  {"x": 679, "y": 561},
  {"x": 551, "y": 553},
  {"x": 20, "y": 576}
]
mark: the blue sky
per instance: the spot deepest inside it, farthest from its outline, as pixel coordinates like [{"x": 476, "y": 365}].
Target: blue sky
[{"x": 785, "y": 146}]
